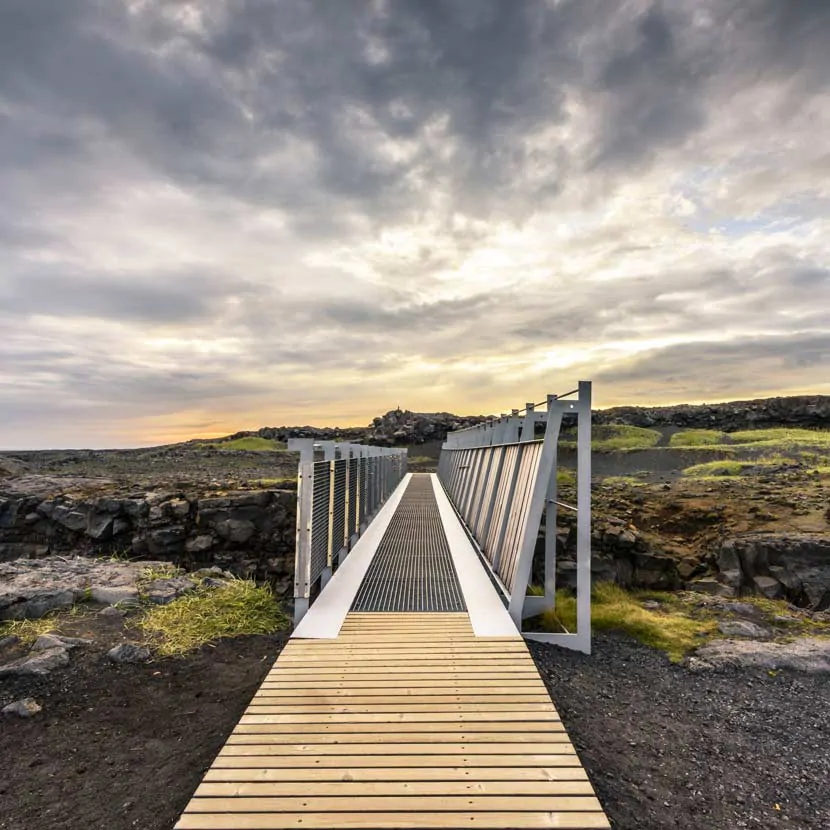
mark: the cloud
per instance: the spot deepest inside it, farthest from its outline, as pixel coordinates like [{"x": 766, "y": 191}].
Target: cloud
[{"x": 233, "y": 213}]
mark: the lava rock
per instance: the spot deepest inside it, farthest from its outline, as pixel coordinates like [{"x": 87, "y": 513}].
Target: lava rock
[
  {"x": 41, "y": 662},
  {"x": 25, "y": 708},
  {"x": 129, "y": 653}
]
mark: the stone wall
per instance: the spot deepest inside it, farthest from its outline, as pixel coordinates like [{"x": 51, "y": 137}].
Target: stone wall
[
  {"x": 795, "y": 411},
  {"x": 249, "y": 533},
  {"x": 793, "y": 567},
  {"x": 619, "y": 553}
]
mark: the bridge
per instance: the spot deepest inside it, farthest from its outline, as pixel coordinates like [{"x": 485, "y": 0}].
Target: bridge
[{"x": 406, "y": 696}]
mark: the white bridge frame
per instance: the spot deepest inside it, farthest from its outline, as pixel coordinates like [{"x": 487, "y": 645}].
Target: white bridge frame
[
  {"x": 499, "y": 487},
  {"x": 319, "y": 550}
]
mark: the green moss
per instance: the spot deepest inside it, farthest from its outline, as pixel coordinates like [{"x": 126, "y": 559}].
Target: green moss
[
  {"x": 566, "y": 478},
  {"x": 251, "y": 442},
  {"x": 615, "y": 437},
  {"x": 275, "y": 482},
  {"x": 801, "y": 436},
  {"x": 209, "y": 614},
  {"x": 29, "y": 630},
  {"x": 631, "y": 481},
  {"x": 697, "y": 438},
  {"x": 613, "y": 608},
  {"x": 717, "y": 468}
]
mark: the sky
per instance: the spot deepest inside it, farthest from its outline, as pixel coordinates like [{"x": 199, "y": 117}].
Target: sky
[{"x": 225, "y": 214}]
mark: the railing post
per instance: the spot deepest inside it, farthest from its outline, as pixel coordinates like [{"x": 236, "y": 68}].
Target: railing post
[
  {"x": 551, "y": 513},
  {"x": 583, "y": 518},
  {"x": 528, "y": 432},
  {"x": 305, "y": 494},
  {"x": 327, "y": 571}
]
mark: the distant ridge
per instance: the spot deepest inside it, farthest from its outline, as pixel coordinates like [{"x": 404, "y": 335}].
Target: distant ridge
[{"x": 404, "y": 427}]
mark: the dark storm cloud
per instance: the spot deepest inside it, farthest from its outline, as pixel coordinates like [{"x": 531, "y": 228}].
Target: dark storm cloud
[
  {"x": 207, "y": 104},
  {"x": 722, "y": 367},
  {"x": 125, "y": 297},
  {"x": 143, "y": 143}
]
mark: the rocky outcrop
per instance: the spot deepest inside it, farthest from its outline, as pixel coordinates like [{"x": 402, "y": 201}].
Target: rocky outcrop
[
  {"x": 32, "y": 588},
  {"x": 250, "y": 533},
  {"x": 805, "y": 654},
  {"x": 793, "y": 567},
  {"x": 620, "y": 553},
  {"x": 405, "y": 428},
  {"x": 402, "y": 427},
  {"x": 398, "y": 427},
  {"x": 795, "y": 411},
  {"x": 11, "y": 467}
]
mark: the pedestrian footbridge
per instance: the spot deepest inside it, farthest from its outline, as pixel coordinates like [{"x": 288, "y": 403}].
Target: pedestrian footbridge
[{"x": 406, "y": 696}]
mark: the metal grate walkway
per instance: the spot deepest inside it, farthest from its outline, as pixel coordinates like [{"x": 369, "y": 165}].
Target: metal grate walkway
[{"x": 413, "y": 568}]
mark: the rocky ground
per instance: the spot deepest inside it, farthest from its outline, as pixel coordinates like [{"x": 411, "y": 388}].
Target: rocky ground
[
  {"x": 121, "y": 745},
  {"x": 735, "y": 737},
  {"x": 669, "y": 746},
  {"x": 709, "y": 746}
]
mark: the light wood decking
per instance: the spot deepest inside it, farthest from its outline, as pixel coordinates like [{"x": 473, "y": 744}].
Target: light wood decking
[{"x": 402, "y": 721}]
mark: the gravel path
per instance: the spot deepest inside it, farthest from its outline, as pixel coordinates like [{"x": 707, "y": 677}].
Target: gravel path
[{"x": 667, "y": 747}]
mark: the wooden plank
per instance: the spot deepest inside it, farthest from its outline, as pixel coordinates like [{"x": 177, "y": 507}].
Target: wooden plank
[
  {"x": 392, "y": 821},
  {"x": 341, "y": 762},
  {"x": 480, "y": 662},
  {"x": 376, "y": 658},
  {"x": 431, "y": 671},
  {"x": 295, "y": 686},
  {"x": 334, "y": 708},
  {"x": 305, "y": 775},
  {"x": 318, "y": 750},
  {"x": 425, "y": 739},
  {"x": 425, "y": 728},
  {"x": 370, "y": 789},
  {"x": 399, "y": 803},
  {"x": 323, "y": 699},
  {"x": 431, "y": 648},
  {"x": 474, "y": 715},
  {"x": 384, "y": 678},
  {"x": 511, "y": 690},
  {"x": 383, "y": 627},
  {"x": 423, "y": 652}
]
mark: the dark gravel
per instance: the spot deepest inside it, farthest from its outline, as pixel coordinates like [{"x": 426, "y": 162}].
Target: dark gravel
[
  {"x": 122, "y": 747},
  {"x": 668, "y": 747}
]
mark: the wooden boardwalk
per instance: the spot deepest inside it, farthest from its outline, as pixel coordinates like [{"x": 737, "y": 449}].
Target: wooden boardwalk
[{"x": 404, "y": 720}]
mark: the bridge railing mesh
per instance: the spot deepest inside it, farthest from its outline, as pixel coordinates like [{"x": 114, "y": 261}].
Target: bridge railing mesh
[
  {"x": 340, "y": 488},
  {"x": 501, "y": 478}
]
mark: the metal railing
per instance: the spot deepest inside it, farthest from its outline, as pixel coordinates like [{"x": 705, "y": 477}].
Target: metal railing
[
  {"x": 340, "y": 487},
  {"x": 501, "y": 479}
]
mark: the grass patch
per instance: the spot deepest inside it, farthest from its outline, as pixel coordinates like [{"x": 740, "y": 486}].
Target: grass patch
[
  {"x": 151, "y": 573},
  {"x": 566, "y": 478},
  {"x": 697, "y": 438},
  {"x": 614, "y": 608},
  {"x": 731, "y": 468},
  {"x": 783, "y": 435},
  {"x": 275, "y": 482},
  {"x": 28, "y": 630},
  {"x": 614, "y": 437},
  {"x": 631, "y": 481},
  {"x": 717, "y": 469},
  {"x": 209, "y": 614},
  {"x": 251, "y": 442}
]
